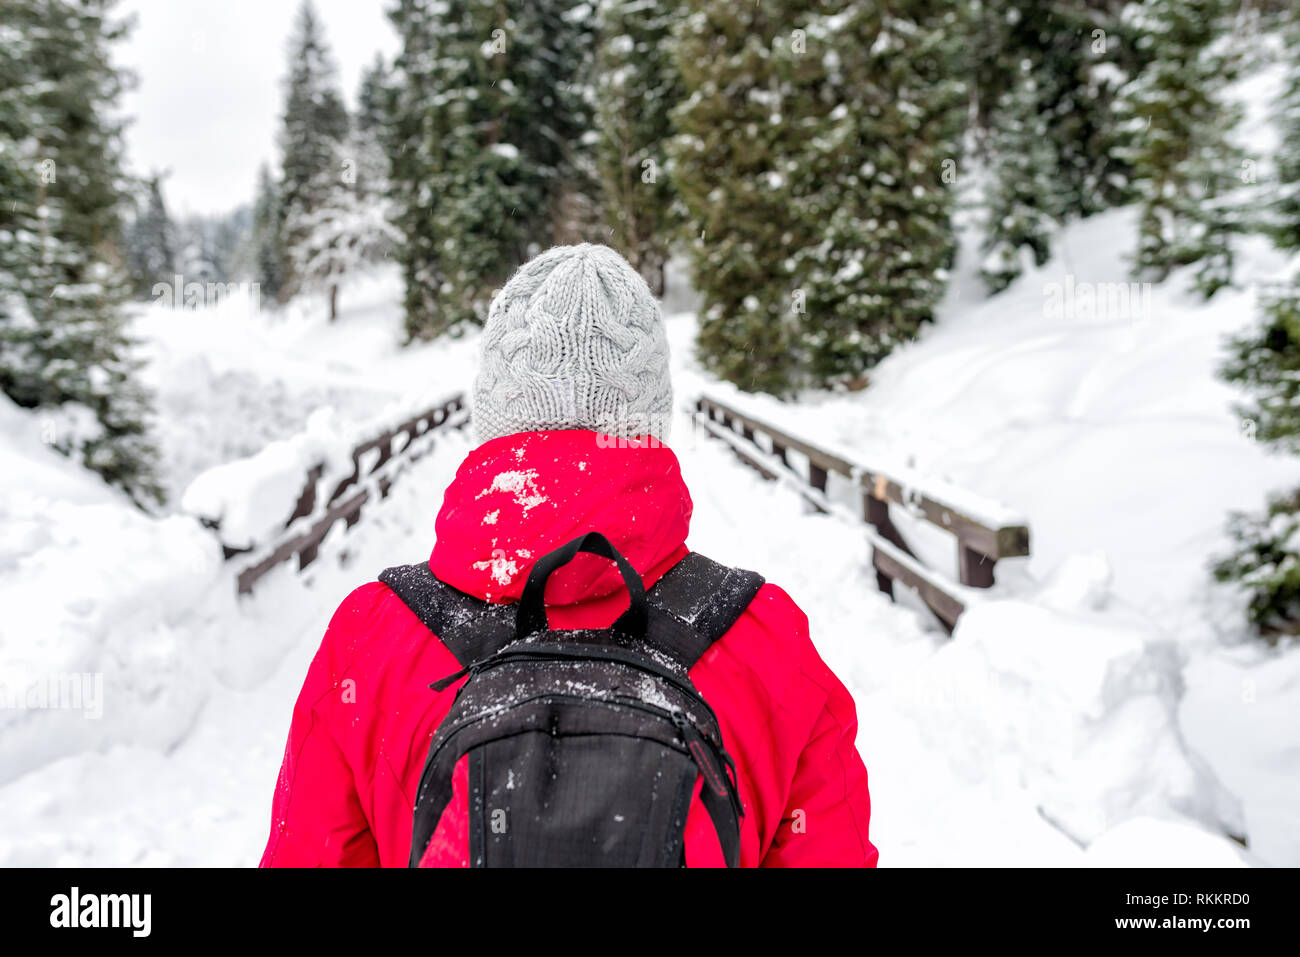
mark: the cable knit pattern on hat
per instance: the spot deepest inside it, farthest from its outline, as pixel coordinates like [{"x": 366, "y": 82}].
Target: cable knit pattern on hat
[{"x": 575, "y": 340}]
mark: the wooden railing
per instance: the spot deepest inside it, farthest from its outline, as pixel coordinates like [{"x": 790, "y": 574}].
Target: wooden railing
[
  {"x": 986, "y": 531},
  {"x": 314, "y": 514}
]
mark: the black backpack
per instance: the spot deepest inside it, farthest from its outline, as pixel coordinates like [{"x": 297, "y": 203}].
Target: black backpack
[{"x": 584, "y": 746}]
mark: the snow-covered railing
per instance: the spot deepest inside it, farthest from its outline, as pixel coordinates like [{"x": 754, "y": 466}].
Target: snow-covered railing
[
  {"x": 986, "y": 531},
  {"x": 245, "y": 502}
]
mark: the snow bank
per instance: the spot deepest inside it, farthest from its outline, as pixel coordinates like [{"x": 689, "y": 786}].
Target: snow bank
[
  {"x": 1141, "y": 840},
  {"x": 1081, "y": 712},
  {"x": 189, "y": 781},
  {"x": 250, "y": 500},
  {"x": 230, "y": 378},
  {"x": 97, "y": 639}
]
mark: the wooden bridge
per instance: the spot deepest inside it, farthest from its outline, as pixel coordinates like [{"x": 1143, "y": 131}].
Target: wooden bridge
[{"x": 985, "y": 531}]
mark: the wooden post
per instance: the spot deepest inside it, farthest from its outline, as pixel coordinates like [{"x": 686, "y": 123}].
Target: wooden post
[
  {"x": 876, "y": 513},
  {"x": 385, "y": 451},
  {"x": 974, "y": 568},
  {"x": 306, "y": 503},
  {"x": 779, "y": 451},
  {"x": 816, "y": 476}
]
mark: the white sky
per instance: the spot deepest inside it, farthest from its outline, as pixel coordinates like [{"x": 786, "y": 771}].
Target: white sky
[{"x": 209, "y": 93}]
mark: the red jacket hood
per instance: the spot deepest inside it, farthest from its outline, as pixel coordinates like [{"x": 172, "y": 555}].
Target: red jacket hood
[{"x": 516, "y": 497}]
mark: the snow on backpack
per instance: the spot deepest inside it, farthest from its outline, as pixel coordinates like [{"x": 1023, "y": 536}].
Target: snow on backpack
[{"x": 584, "y": 746}]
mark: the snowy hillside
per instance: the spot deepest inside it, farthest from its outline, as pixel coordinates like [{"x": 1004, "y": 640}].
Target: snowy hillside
[{"x": 1101, "y": 709}]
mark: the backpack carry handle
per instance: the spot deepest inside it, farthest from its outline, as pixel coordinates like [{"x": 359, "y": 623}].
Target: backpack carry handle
[{"x": 531, "y": 617}]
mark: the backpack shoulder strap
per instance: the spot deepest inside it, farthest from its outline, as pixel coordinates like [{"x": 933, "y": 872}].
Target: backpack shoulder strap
[
  {"x": 695, "y": 603},
  {"x": 471, "y": 628},
  {"x": 692, "y": 605}
]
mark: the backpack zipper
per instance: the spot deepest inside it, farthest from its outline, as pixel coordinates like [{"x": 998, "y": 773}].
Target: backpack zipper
[{"x": 560, "y": 652}]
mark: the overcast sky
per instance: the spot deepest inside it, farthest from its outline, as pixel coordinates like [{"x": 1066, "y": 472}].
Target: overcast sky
[{"x": 210, "y": 87}]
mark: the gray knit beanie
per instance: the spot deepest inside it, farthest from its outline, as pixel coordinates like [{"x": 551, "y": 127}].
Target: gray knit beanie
[{"x": 574, "y": 340}]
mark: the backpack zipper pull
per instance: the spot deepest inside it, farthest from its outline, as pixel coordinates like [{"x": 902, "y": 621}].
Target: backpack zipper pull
[
  {"x": 442, "y": 684},
  {"x": 700, "y": 750}
]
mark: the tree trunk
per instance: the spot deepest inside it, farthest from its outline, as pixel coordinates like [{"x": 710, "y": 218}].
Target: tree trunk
[
  {"x": 334, "y": 301},
  {"x": 652, "y": 271}
]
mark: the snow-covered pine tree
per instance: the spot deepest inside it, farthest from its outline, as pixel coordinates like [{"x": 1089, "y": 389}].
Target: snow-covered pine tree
[
  {"x": 1266, "y": 362},
  {"x": 811, "y": 160},
  {"x": 739, "y": 130},
  {"x": 869, "y": 177},
  {"x": 491, "y": 125},
  {"x": 1080, "y": 55},
  {"x": 638, "y": 84},
  {"x": 350, "y": 229},
  {"x": 1266, "y": 559},
  {"x": 414, "y": 88},
  {"x": 369, "y": 122},
  {"x": 151, "y": 242},
  {"x": 315, "y": 125},
  {"x": 63, "y": 345},
  {"x": 202, "y": 258},
  {"x": 1184, "y": 164},
  {"x": 268, "y": 236},
  {"x": 1022, "y": 202},
  {"x": 1284, "y": 221}
]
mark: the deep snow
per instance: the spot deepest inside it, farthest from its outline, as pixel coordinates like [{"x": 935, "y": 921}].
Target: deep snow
[{"x": 1101, "y": 707}]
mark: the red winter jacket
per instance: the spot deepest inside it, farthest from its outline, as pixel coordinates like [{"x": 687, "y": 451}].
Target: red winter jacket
[{"x": 363, "y": 721}]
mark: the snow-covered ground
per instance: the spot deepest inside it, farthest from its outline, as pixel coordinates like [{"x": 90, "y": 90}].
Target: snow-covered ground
[{"x": 1103, "y": 707}]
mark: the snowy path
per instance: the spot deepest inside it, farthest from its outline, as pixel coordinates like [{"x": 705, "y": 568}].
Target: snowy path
[
  {"x": 1055, "y": 719},
  {"x": 206, "y": 800}
]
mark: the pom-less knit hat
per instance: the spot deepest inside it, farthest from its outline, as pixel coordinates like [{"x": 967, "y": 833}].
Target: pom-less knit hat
[{"x": 574, "y": 340}]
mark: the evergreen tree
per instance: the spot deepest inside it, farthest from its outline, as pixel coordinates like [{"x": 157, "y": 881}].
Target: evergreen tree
[
  {"x": 811, "y": 159},
  {"x": 1184, "y": 163},
  {"x": 1267, "y": 363},
  {"x": 1079, "y": 56},
  {"x": 63, "y": 345},
  {"x": 1285, "y": 220},
  {"x": 151, "y": 242},
  {"x": 1266, "y": 559},
  {"x": 739, "y": 128},
  {"x": 268, "y": 236},
  {"x": 365, "y": 148},
  {"x": 373, "y": 98},
  {"x": 411, "y": 149},
  {"x": 1022, "y": 204},
  {"x": 873, "y": 173},
  {"x": 489, "y": 146},
  {"x": 315, "y": 125},
  {"x": 638, "y": 85},
  {"x": 201, "y": 256},
  {"x": 350, "y": 229}
]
